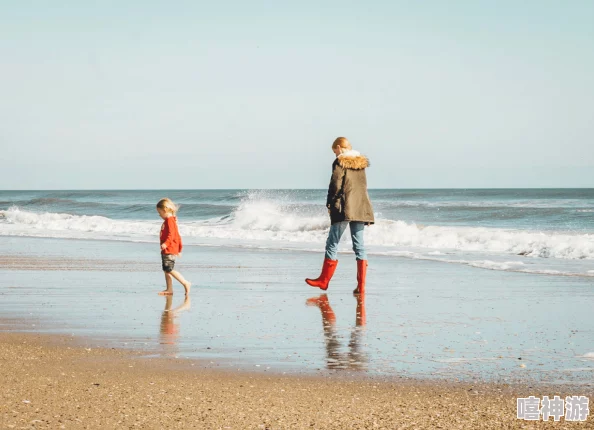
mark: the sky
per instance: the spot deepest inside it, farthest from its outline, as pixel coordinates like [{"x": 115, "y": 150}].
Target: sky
[{"x": 234, "y": 94}]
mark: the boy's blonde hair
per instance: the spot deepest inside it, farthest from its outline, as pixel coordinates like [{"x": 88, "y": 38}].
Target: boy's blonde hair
[
  {"x": 168, "y": 206},
  {"x": 343, "y": 142}
]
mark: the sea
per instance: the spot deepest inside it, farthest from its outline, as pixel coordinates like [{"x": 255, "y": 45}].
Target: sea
[
  {"x": 491, "y": 285},
  {"x": 542, "y": 231}
]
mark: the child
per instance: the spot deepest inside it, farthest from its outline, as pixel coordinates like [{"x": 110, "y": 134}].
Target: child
[
  {"x": 348, "y": 204},
  {"x": 171, "y": 246}
]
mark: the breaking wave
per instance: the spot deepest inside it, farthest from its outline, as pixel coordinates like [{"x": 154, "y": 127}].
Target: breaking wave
[{"x": 265, "y": 220}]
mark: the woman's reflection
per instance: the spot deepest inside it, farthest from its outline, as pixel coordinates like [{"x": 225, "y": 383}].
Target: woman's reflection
[{"x": 355, "y": 358}]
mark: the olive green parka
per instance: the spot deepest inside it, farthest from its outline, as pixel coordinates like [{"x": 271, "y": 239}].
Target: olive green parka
[{"x": 348, "y": 199}]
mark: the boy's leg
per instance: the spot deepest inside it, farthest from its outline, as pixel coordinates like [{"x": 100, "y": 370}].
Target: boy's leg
[
  {"x": 187, "y": 285},
  {"x": 334, "y": 235},
  {"x": 168, "y": 281},
  {"x": 167, "y": 263}
]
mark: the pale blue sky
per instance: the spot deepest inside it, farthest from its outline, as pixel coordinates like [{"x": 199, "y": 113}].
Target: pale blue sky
[{"x": 190, "y": 94}]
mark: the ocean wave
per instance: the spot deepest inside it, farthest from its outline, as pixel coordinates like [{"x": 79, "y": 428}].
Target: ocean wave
[
  {"x": 258, "y": 218},
  {"x": 115, "y": 210},
  {"x": 452, "y": 205},
  {"x": 56, "y": 222},
  {"x": 255, "y": 213},
  {"x": 518, "y": 242}
]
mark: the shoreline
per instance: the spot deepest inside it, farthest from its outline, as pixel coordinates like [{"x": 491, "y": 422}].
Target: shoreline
[
  {"x": 12, "y": 328},
  {"x": 312, "y": 248},
  {"x": 15, "y": 330},
  {"x": 251, "y": 310},
  {"x": 58, "y": 382},
  {"x": 10, "y": 334}
]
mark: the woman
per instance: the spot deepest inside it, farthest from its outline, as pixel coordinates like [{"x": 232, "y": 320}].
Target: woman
[{"x": 348, "y": 204}]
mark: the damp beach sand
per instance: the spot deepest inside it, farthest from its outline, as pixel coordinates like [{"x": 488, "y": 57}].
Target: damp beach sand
[
  {"x": 56, "y": 382},
  {"x": 87, "y": 343}
]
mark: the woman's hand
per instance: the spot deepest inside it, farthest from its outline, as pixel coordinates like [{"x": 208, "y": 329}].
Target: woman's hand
[{"x": 163, "y": 246}]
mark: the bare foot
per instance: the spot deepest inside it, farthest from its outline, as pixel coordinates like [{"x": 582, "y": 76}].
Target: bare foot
[
  {"x": 188, "y": 287},
  {"x": 166, "y": 293}
]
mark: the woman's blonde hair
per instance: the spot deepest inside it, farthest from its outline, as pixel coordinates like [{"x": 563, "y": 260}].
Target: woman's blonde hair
[
  {"x": 343, "y": 142},
  {"x": 168, "y": 206}
]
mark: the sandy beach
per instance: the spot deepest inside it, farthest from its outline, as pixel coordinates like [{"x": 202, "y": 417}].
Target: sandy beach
[{"x": 62, "y": 382}]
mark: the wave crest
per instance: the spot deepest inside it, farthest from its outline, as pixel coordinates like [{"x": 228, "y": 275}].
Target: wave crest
[{"x": 260, "y": 219}]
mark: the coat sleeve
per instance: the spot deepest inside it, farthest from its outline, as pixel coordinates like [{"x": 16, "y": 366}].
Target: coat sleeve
[{"x": 335, "y": 187}]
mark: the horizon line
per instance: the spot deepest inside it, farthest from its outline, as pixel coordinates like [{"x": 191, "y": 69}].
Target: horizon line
[{"x": 294, "y": 189}]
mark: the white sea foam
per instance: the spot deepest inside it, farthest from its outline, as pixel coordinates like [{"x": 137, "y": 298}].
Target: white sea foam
[
  {"x": 522, "y": 204},
  {"x": 48, "y": 222},
  {"x": 261, "y": 221},
  {"x": 496, "y": 265},
  {"x": 270, "y": 221},
  {"x": 517, "y": 242},
  {"x": 266, "y": 215}
]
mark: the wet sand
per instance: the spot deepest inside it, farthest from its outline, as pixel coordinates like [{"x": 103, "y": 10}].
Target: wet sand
[
  {"x": 250, "y": 309},
  {"x": 85, "y": 342},
  {"x": 61, "y": 382}
]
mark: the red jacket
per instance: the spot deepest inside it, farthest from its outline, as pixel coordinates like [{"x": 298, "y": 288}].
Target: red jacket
[{"x": 170, "y": 236}]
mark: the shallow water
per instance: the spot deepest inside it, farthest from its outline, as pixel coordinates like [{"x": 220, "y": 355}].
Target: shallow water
[{"x": 251, "y": 309}]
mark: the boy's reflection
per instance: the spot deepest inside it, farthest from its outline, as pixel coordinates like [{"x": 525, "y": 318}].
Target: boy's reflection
[
  {"x": 169, "y": 327},
  {"x": 355, "y": 358}
]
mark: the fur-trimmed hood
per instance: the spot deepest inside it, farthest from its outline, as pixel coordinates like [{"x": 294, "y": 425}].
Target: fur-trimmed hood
[{"x": 352, "y": 159}]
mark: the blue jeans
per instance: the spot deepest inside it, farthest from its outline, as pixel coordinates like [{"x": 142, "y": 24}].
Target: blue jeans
[{"x": 336, "y": 231}]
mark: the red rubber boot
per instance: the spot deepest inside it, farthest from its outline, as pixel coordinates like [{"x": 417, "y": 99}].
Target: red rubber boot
[
  {"x": 324, "y": 279},
  {"x": 361, "y": 276}
]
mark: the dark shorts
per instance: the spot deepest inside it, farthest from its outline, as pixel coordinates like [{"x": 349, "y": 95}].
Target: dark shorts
[{"x": 168, "y": 262}]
